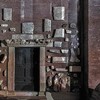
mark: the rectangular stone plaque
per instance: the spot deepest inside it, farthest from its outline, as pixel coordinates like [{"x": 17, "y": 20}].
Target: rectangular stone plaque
[
  {"x": 22, "y": 37},
  {"x": 74, "y": 68},
  {"x": 64, "y": 51},
  {"x": 59, "y": 59},
  {"x": 47, "y": 25},
  {"x": 59, "y": 13},
  {"x": 59, "y": 33},
  {"x": 57, "y": 44},
  {"x": 27, "y": 28},
  {"x": 7, "y": 14},
  {"x": 38, "y": 36}
]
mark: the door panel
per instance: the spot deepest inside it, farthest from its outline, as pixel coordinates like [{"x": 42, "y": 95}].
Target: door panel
[{"x": 23, "y": 68}]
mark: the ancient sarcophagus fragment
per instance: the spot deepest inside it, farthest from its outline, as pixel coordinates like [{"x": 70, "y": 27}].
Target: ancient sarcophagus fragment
[
  {"x": 22, "y": 36},
  {"x": 73, "y": 57},
  {"x": 57, "y": 44}
]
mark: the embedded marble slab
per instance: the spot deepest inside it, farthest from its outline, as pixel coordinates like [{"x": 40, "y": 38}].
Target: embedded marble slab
[
  {"x": 74, "y": 68},
  {"x": 59, "y": 59},
  {"x": 59, "y": 33},
  {"x": 27, "y": 27},
  {"x": 7, "y": 14},
  {"x": 47, "y": 25},
  {"x": 59, "y": 13}
]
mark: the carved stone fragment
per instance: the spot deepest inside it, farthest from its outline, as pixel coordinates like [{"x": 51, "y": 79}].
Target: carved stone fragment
[
  {"x": 73, "y": 57},
  {"x": 12, "y": 29},
  {"x": 27, "y": 27},
  {"x": 4, "y": 58},
  {"x": 57, "y": 44},
  {"x": 4, "y": 31},
  {"x": 64, "y": 50},
  {"x": 7, "y": 14},
  {"x": 1, "y": 81},
  {"x": 49, "y": 36},
  {"x": 48, "y": 69},
  {"x": 38, "y": 36},
  {"x": 4, "y": 25},
  {"x": 59, "y": 13},
  {"x": 50, "y": 44},
  {"x": 56, "y": 86},
  {"x": 67, "y": 39},
  {"x": 61, "y": 82},
  {"x": 68, "y": 31},
  {"x": 59, "y": 59},
  {"x": 59, "y": 33},
  {"x": 54, "y": 51},
  {"x": 47, "y": 25},
  {"x": 74, "y": 41},
  {"x": 74, "y": 68},
  {"x": 22, "y": 36}
]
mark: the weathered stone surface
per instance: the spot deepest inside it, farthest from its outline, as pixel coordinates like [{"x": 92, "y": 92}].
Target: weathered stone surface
[
  {"x": 4, "y": 31},
  {"x": 59, "y": 59},
  {"x": 38, "y": 36},
  {"x": 94, "y": 43},
  {"x": 61, "y": 69},
  {"x": 7, "y": 14},
  {"x": 74, "y": 68},
  {"x": 57, "y": 44},
  {"x": 50, "y": 44},
  {"x": 27, "y": 27},
  {"x": 22, "y": 36},
  {"x": 4, "y": 25},
  {"x": 59, "y": 13},
  {"x": 73, "y": 57},
  {"x": 12, "y": 29},
  {"x": 59, "y": 33},
  {"x": 54, "y": 51},
  {"x": 64, "y": 50},
  {"x": 47, "y": 25}
]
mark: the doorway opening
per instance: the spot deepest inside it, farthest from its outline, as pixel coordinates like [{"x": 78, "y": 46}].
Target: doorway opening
[{"x": 27, "y": 61}]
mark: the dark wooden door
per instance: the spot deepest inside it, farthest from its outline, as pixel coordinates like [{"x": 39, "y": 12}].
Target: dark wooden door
[{"x": 24, "y": 69}]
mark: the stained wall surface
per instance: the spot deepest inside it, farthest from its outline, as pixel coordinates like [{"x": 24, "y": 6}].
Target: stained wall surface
[{"x": 94, "y": 43}]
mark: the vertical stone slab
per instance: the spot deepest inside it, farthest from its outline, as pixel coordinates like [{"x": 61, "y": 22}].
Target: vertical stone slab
[
  {"x": 11, "y": 69},
  {"x": 42, "y": 70}
]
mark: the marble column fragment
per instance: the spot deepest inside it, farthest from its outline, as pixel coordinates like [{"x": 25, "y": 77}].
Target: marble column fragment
[{"x": 27, "y": 27}]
